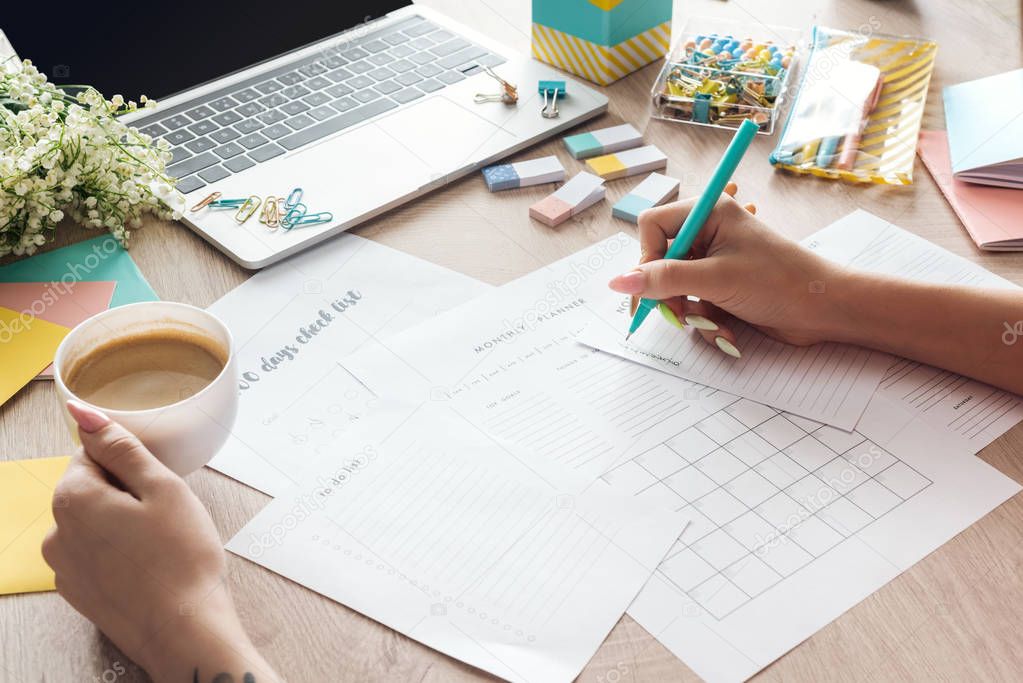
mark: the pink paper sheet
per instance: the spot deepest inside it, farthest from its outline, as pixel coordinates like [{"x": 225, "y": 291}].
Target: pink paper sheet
[{"x": 66, "y": 305}]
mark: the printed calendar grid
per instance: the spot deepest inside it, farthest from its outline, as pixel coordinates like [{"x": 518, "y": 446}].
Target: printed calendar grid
[{"x": 768, "y": 492}]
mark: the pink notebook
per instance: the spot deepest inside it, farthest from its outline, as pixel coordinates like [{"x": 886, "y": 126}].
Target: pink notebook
[{"x": 992, "y": 215}]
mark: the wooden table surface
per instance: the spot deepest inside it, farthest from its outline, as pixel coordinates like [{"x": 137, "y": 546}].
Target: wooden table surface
[{"x": 953, "y": 616}]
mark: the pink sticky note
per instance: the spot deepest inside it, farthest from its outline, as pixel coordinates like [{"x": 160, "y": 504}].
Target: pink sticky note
[
  {"x": 65, "y": 305},
  {"x": 992, "y": 215}
]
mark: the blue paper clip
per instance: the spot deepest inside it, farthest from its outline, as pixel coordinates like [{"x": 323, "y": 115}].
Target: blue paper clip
[
  {"x": 293, "y": 214},
  {"x": 294, "y": 199},
  {"x": 226, "y": 203},
  {"x": 311, "y": 219}
]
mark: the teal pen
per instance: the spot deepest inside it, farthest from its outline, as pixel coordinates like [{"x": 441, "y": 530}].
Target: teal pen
[{"x": 701, "y": 211}]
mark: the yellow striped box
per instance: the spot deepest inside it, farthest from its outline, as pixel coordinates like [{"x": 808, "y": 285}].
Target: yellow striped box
[{"x": 601, "y": 40}]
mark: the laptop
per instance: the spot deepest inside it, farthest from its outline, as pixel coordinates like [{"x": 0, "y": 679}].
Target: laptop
[{"x": 362, "y": 105}]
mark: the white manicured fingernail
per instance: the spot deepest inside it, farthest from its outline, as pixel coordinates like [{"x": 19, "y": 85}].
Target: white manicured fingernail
[
  {"x": 728, "y": 347},
  {"x": 701, "y": 323}
]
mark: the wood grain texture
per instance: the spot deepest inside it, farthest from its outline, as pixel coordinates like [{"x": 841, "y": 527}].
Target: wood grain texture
[{"x": 952, "y": 616}]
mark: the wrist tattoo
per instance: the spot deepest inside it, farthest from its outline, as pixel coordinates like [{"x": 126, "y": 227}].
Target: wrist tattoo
[{"x": 224, "y": 677}]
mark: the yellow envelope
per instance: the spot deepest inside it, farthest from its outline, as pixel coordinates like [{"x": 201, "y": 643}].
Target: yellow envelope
[
  {"x": 26, "y": 496},
  {"x": 27, "y": 345}
]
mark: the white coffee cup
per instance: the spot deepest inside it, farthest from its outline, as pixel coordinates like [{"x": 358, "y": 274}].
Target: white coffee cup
[{"x": 183, "y": 435}]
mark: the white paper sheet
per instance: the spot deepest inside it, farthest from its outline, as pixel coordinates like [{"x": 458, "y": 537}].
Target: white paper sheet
[
  {"x": 831, "y": 383},
  {"x": 292, "y": 322},
  {"x": 975, "y": 411},
  {"x": 420, "y": 521},
  {"x": 789, "y": 544}
]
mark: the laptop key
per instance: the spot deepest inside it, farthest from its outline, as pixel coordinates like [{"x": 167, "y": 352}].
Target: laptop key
[
  {"x": 317, "y": 83},
  {"x": 295, "y": 91},
  {"x": 247, "y": 126},
  {"x": 462, "y": 56},
  {"x": 430, "y": 85},
  {"x": 296, "y": 107},
  {"x": 366, "y": 95},
  {"x": 490, "y": 60},
  {"x": 191, "y": 165},
  {"x": 360, "y": 67},
  {"x": 402, "y": 65},
  {"x": 272, "y": 116},
  {"x": 360, "y": 82},
  {"x": 330, "y": 126},
  {"x": 396, "y": 38},
  {"x": 429, "y": 70},
  {"x": 441, "y": 35},
  {"x": 299, "y": 122},
  {"x": 421, "y": 58},
  {"x": 313, "y": 69},
  {"x": 334, "y": 61},
  {"x": 421, "y": 43},
  {"x": 450, "y": 77},
  {"x": 374, "y": 46},
  {"x": 252, "y": 141},
  {"x": 178, "y": 137},
  {"x": 338, "y": 90},
  {"x": 266, "y": 152},
  {"x": 179, "y": 154},
  {"x": 409, "y": 78},
  {"x": 338, "y": 75},
  {"x": 387, "y": 87},
  {"x": 175, "y": 122},
  {"x": 344, "y": 104},
  {"x": 471, "y": 69},
  {"x": 224, "y": 135},
  {"x": 291, "y": 78},
  {"x": 381, "y": 74},
  {"x": 267, "y": 87},
  {"x": 402, "y": 51},
  {"x": 246, "y": 95},
  {"x": 279, "y": 129},
  {"x": 450, "y": 47},
  {"x": 231, "y": 149},
  {"x": 153, "y": 130},
  {"x": 421, "y": 28},
  {"x": 239, "y": 163},
  {"x": 321, "y": 113},
  {"x": 407, "y": 95},
  {"x": 316, "y": 99},
  {"x": 200, "y": 112},
  {"x": 223, "y": 103},
  {"x": 250, "y": 109},
  {"x": 381, "y": 58},
  {"x": 354, "y": 53},
  {"x": 203, "y": 127},
  {"x": 227, "y": 118},
  {"x": 273, "y": 100},
  {"x": 200, "y": 145},
  {"x": 189, "y": 184},
  {"x": 213, "y": 174}
]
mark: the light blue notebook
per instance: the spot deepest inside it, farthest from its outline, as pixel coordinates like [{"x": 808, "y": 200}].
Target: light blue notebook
[{"x": 985, "y": 129}]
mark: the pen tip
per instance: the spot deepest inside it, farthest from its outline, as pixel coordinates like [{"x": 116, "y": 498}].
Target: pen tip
[{"x": 627, "y": 336}]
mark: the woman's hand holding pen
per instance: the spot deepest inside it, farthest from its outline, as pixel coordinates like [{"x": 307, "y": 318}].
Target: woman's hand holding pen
[{"x": 738, "y": 267}]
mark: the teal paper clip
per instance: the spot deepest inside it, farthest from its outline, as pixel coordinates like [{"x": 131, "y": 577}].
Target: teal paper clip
[
  {"x": 310, "y": 219},
  {"x": 227, "y": 203},
  {"x": 293, "y": 214},
  {"x": 294, "y": 199}
]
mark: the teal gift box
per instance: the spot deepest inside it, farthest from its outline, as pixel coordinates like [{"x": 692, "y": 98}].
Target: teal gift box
[{"x": 601, "y": 40}]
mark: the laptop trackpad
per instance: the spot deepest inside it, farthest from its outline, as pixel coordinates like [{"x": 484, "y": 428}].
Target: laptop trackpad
[{"x": 446, "y": 136}]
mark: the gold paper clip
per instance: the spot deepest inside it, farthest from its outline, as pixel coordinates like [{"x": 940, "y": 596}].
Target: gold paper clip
[
  {"x": 509, "y": 93},
  {"x": 246, "y": 210},
  {"x": 202, "y": 203},
  {"x": 269, "y": 216}
]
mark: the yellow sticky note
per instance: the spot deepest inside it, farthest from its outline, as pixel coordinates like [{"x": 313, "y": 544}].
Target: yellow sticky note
[
  {"x": 27, "y": 345},
  {"x": 26, "y": 498},
  {"x": 607, "y": 166}
]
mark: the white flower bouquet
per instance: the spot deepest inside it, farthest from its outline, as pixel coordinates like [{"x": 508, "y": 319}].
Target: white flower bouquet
[{"x": 63, "y": 151}]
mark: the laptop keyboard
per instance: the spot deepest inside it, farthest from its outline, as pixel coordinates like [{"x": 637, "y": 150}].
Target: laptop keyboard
[{"x": 235, "y": 128}]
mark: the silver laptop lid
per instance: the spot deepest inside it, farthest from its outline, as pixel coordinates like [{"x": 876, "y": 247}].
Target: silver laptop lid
[{"x": 160, "y": 49}]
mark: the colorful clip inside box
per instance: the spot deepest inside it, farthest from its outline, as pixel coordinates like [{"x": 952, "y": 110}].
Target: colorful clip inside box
[{"x": 601, "y": 40}]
